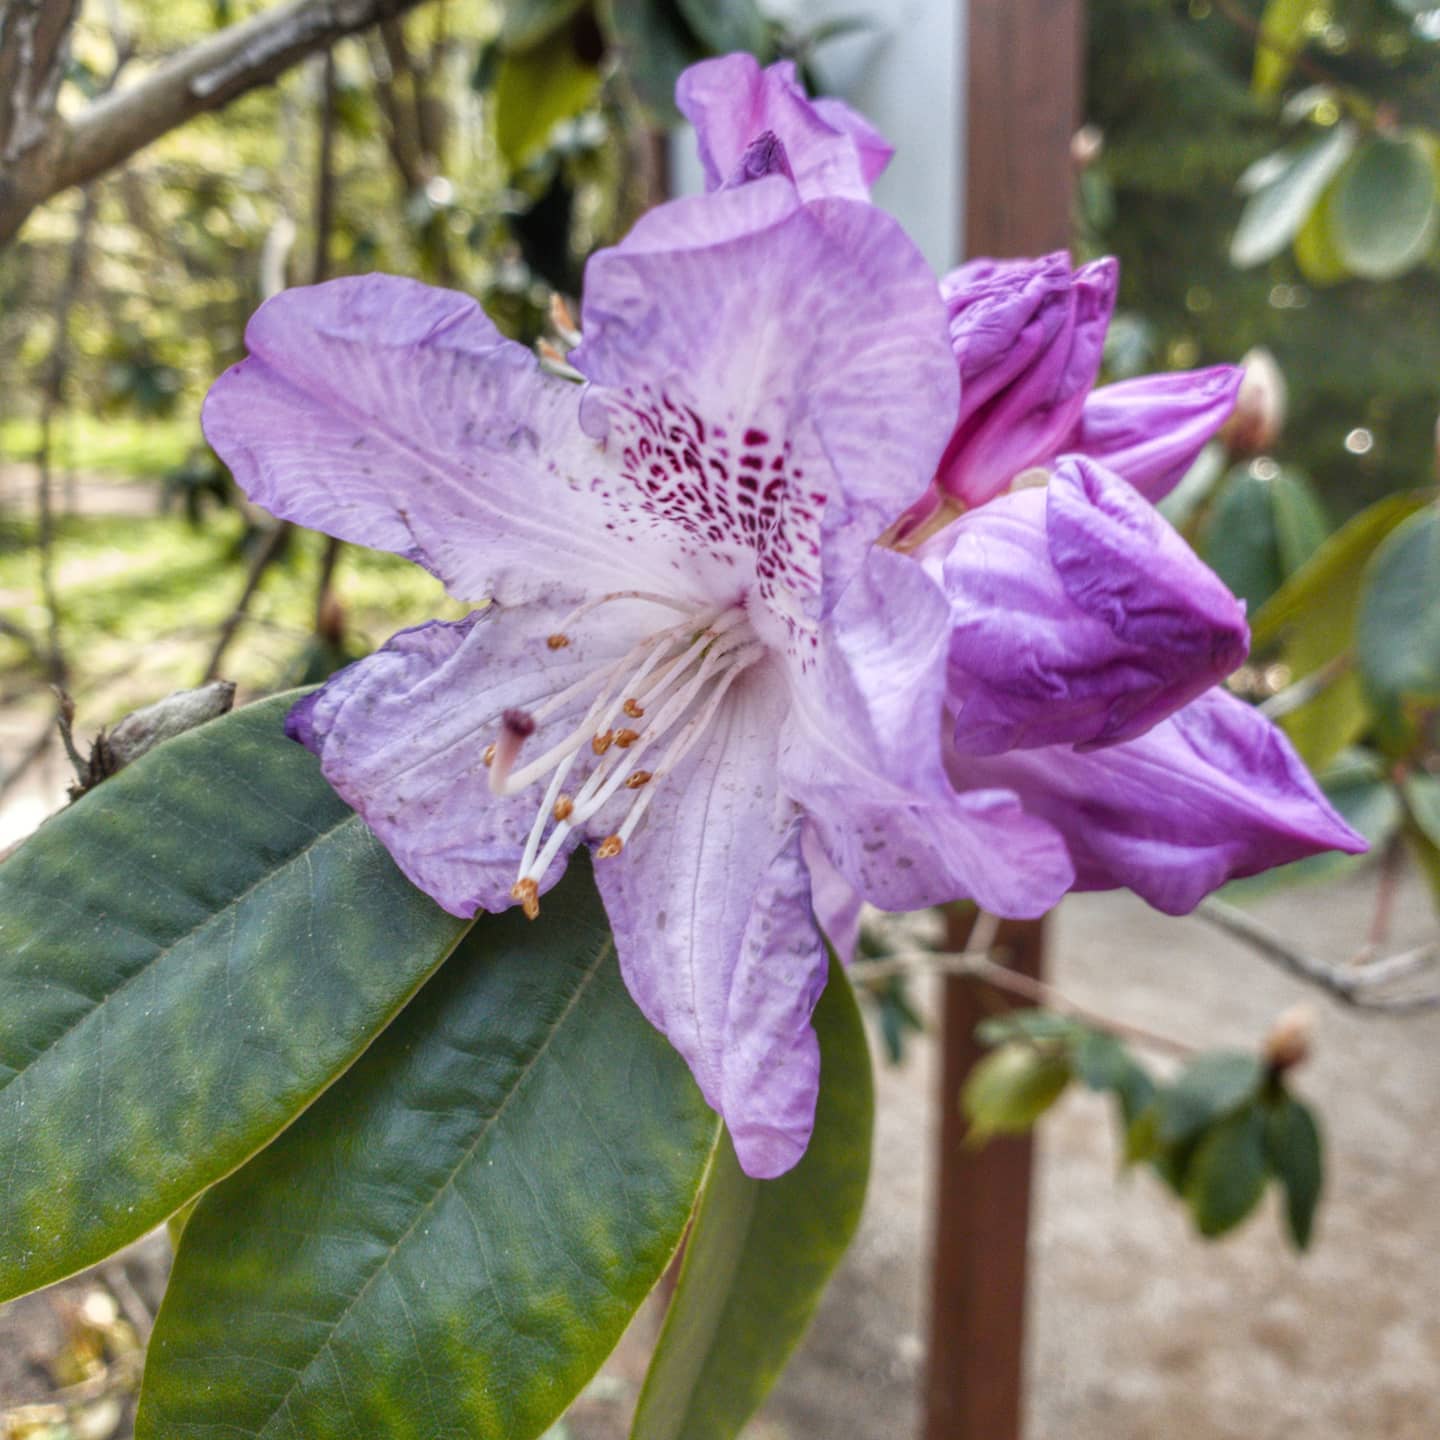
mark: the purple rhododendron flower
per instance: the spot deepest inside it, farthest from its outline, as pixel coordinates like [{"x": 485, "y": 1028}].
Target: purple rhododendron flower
[
  {"x": 694, "y": 662},
  {"x": 1086, "y": 638},
  {"x": 1086, "y": 643}
]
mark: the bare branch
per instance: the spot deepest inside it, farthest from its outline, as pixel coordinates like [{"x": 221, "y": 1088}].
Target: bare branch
[
  {"x": 206, "y": 76},
  {"x": 34, "y": 46},
  {"x": 267, "y": 552},
  {"x": 983, "y": 962},
  {"x": 1365, "y": 986}
]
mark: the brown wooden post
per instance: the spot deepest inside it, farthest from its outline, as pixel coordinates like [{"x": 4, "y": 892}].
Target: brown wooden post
[{"x": 1022, "y": 73}]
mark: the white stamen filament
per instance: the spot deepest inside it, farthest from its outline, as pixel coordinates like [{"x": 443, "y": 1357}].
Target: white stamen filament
[
  {"x": 609, "y": 703},
  {"x": 688, "y": 738},
  {"x": 580, "y": 611},
  {"x": 670, "y": 685},
  {"x": 589, "y": 805},
  {"x": 604, "y": 709}
]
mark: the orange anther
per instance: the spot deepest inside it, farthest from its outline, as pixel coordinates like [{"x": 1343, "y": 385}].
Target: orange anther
[{"x": 527, "y": 892}]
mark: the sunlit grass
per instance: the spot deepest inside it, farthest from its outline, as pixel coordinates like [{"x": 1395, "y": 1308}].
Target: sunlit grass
[
  {"x": 125, "y": 447},
  {"x": 142, "y": 599}
]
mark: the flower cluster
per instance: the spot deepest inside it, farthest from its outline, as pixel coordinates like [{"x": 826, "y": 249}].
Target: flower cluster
[{"x": 826, "y": 582}]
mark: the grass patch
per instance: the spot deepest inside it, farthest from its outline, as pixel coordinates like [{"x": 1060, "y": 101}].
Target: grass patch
[
  {"x": 126, "y": 446},
  {"x": 142, "y": 599}
]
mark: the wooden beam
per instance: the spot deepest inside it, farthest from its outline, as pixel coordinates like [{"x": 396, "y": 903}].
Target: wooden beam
[
  {"x": 975, "y": 1375},
  {"x": 1022, "y": 78},
  {"x": 1023, "y": 75}
]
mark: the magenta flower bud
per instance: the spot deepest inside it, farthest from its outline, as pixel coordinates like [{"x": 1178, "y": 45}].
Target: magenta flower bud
[
  {"x": 1080, "y": 617},
  {"x": 1027, "y": 337},
  {"x": 732, "y": 102},
  {"x": 1149, "y": 430}
]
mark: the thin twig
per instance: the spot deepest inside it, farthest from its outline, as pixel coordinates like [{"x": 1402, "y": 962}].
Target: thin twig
[
  {"x": 57, "y": 372},
  {"x": 1358, "y": 986},
  {"x": 268, "y": 551},
  {"x": 53, "y": 397},
  {"x": 977, "y": 962},
  {"x": 1295, "y": 55},
  {"x": 131, "y": 1303},
  {"x": 1304, "y": 690},
  {"x": 1391, "y": 861},
  {"x": 325, "y": 171},
  {"x": 25, "y": 639},
  {"x": 33, "y": 753},
  {"x": 204, "y": 76}
]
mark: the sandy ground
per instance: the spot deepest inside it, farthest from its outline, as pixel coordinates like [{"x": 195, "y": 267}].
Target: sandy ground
[{"x": 1139, "y": 1331}]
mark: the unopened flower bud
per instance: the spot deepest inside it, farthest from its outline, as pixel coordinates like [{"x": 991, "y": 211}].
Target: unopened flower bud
[
  {"x": 1289, "y": 1041},
  {"x": 1086, "y": 146},
  {"x": 1259, "y": 414}
]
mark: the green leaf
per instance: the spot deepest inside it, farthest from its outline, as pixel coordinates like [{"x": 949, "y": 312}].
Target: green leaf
[
  {"x": 1266, "y": 522},
  {"x": 1226, "y": 1176},
  {"x": 1030, "y": 1024},
  {"x": 1293, "y": 1145},
  {"x": 1210, "y": 1087},
  {"x": 727, "y": 25},
  {"x": 1384, "y": 212},
  {"x": 1314, "y": 613},
  {"x": 1422, "y": 829},
  {"x": 1422, "y": 800},
  {"x": 536, "y": 89},
  {"x": 1277, "y": 209},
  {"x": 528, "y": 22},
  {"x": 1426, "y": 854},
  {"x": 761, "y": 1252},
  {"x": 1195, "y": 487},
  {"x": 1316, "y": 252},
  {"x": 1398, "y": 627},
  {"x": 188, "y": 957},
  {"x": 1282, "y": 32},
  {"x": 1011, "y": 1088},
  {"x": 1301, "y": 524},
  {"x": 452, "y": 1240},
  {"x": 654, "y": 45},
  {"x": 1105, "y": 1065},
  {"x": 1142, "y": 1137},
  {"x": 1238, "y": 540}
]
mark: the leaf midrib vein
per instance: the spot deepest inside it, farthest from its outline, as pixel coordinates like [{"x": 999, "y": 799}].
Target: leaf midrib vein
[
  {"x": 229, "y": 909},
  {"x": 281, "y": 1405}
]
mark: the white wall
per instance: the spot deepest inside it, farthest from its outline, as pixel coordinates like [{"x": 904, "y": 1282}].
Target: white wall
[{"x": 906, "y": 75}]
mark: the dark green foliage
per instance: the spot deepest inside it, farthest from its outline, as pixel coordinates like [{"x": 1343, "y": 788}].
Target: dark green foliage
[
  {"x": 189, "y": 955},
  {"x": 453, "y": 1239},
  {"x": 1216, "y": 1132},
  {"x": 1171, "y": 92}
]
